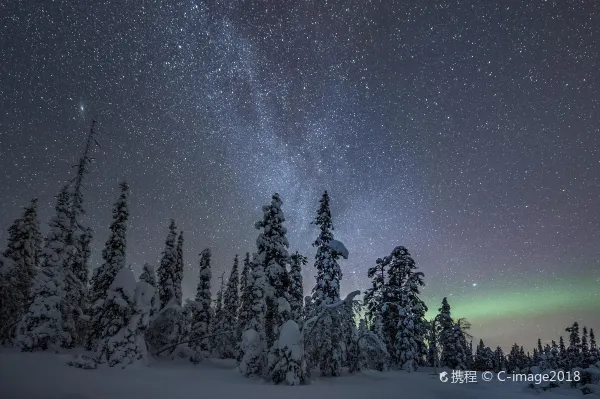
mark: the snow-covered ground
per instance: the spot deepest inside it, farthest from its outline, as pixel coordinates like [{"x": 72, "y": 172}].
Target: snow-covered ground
[{"x": 45, "y": 375}]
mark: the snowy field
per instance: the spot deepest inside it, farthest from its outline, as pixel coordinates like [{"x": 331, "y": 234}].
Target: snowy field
[{"x": 45, "y": 375}]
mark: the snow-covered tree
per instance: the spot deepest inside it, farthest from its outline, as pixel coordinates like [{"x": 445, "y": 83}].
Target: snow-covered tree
[
  {"x": 170, "y": 325},
  {"x": 574, "y": 349},
  {"x": 499, "y": 360},
  {"x": 484, "y": 357},
  {"x": 167, "y": 271},
  {"x": 125, "y": 316},
  {"x": 329, "y": 273},
  {"x": 43, "y": 325},
  {"x": 149, "y": 277},
  {"x": 585, "y": 350},
  {"x": 296, "y": 290},
  {"x": 202, "y": 312},
  {"x": 244, "y": 311},
  {"x": 272, "y": 254},
  {"x": 254, "y": 342},
  {"x": 18, "y": 270},
  {"x": 329, "y": 333},
  {"x": 452, "y": 340},
  {"x": 178, "y": 274},
  {"x": 594, "y": 353},
  {"x": 286, "y": 356},
  {"x": 230, "y": 312},
  {"x": 113, "y": 256},
  {"x": 218, "y": 337}
]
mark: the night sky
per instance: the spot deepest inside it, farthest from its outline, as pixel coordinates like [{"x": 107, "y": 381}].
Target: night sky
[{"x": 467, "y": 131}]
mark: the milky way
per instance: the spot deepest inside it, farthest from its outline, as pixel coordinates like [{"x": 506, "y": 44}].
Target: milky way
[{"x": 466, "y": 131}]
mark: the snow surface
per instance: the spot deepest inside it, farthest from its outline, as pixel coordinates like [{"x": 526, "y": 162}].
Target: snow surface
[
  {"x": 44, "y": 375},
  {"x": 339, "y": 247}
]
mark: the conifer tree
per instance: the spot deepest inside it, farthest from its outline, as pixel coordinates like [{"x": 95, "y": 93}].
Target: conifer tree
[
  {"x": 125, "y": 317},
  {"x": 113, "y": 256},
  {"x": 149, "y": 277},
  {"x": 499, "y": 360},
  {"x": 452, "y": 340},
  {"x": 43, "y": 325},
  {"x": 167, "y": 271},
  {"x": 562, "y": 353},
  {"x": 245, "y": 311},
  {"x": 78, "y": 241},
  {"x": 217, "y": 337},
  {"x": 230, "y": 312},
  {"x": 327, "y": 292},
  {"x": 272, "y": 253},
  {"x": 594, "y": 353},
  {"x": 484, "y": 357},
  {"x": 574, "y": 349},
  {"x": 18, "y": 270},
  {"x": 296, "y": 292},
  {"x": 178, "y": 274},
  {"x": 202, "y": 313},
  {"x": 245, "y": 273},
  {"x": 254, "y": 342},
  {"x": 585, "y": 350}
]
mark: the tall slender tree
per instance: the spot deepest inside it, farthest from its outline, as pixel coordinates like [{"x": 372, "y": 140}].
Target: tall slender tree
[
  {"x": 254, "y": 342},
  {"x": 231, "y": 302},
  {"x": 178, "y": 273},
  {"x": 43, "y": 325},
  {"x": 296, "y": 291},
  {"x": 167, "y": 271},
  {"x": 245, "y": 311},
  {"x": 202, "y": 314},
  {"x": 272, "y": 254},
  {"x": 18, "y": 270},
  {"x": 329, "y": 333},
  {"x": 113, "y": 256},
  {"x": 78, "y": 240}
]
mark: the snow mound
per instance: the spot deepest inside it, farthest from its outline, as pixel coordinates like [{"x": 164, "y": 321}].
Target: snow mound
[{"x": 339, "y": 247}]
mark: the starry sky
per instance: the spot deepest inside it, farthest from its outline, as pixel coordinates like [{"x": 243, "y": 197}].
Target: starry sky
[{"x": 467, "y": 131}]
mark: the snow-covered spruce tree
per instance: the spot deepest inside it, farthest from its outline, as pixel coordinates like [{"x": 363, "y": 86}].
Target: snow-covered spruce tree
[
  {"x": 126, "y": 314},
  {"x": 328, "y": 334},
  {"x": 574, "y": 349},
  {"x": 401, "y": 292},
  {"x": 230, "y": 313},
  {"x": 594, "y": 353},
  {"x": 296, "y": 291},
  {"x": 202, "y": 313},
  {"x": 499, "y": 360},
  {"x": 217, "y": 339},
  {"x": 178, "y": 273},
  {"x": 286, "y": 357},
  {"x": 452, "y": 340},
  {"x": 113, "y": 256},
  {"x": 409, "y": 340},
  {"x": 18, "y": 270},
  {"x": 244, "y": 311},
  {"x": 272, "y": 254},
  {"x": 585, "y": 350},
  {"x": 375, "y": 297},
  {"x": 484, "y": 358},
  {"x": 170, "y": 325},
  {"x": 167, "y": 270},
  {"x": 254, "y": 342},
  {"x": 149, "y": 277},
  {"x": 43, "y": 325}
]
